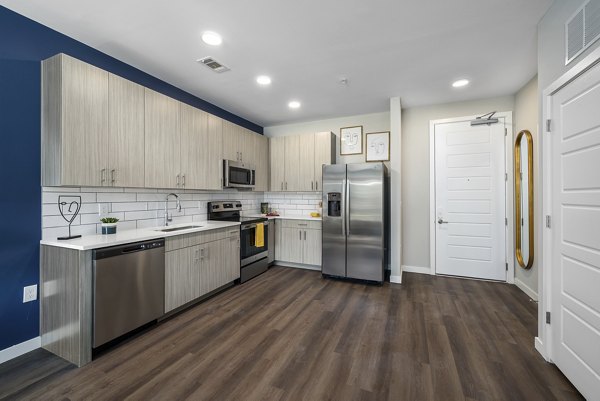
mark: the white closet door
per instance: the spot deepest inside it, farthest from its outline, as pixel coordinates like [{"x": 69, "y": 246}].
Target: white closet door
[
  {"x": 576, "y": 232},
  {"x": 470, "y": 200}
]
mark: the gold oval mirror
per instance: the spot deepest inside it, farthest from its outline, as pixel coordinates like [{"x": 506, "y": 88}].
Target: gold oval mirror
[{"x": 524, "y": 199}]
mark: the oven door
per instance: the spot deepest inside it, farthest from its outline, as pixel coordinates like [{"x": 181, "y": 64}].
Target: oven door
[
  {"x": 249, "y": 252},
  {"x": 238, "y": 175}
]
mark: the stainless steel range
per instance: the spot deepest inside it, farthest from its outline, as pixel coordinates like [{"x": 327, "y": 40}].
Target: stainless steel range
[{"x": 253, "y": 254}]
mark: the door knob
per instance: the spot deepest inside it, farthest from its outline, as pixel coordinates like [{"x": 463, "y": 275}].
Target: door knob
[{"x": 440, "y": 221}]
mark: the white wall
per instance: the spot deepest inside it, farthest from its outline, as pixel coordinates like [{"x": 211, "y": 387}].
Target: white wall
[
  {"x": 526, "y": 118},
  {"x": 415, "y": 170}
]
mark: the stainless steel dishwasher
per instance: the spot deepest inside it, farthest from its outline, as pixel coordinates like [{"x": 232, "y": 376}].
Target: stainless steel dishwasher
[{"x": 129, "y": 288}]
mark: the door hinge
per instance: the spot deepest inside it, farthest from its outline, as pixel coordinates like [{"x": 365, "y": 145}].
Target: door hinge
[
  {"x": 548, "y": 317},
  {"x": 548, "y": 221},
  {"x": 548, "y": 125}
]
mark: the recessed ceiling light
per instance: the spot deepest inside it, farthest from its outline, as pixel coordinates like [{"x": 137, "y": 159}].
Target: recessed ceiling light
[
  {"x": 212, "y": 38},
  {"x": 294, "y": 104},
  {"x": 263, "y": 80},
  {"x": 460, "y": 83}
]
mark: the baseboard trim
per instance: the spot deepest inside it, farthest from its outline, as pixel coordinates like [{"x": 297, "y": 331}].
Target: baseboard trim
[
  {"x": 297, "y": 265},
  {"x": 396, "y": 279},
  {"x": 416, "y": 269},
  {"x": 526, "y": 289},
  {"x": 20, "y": 349},
  {"x": 539, "y": 347}
]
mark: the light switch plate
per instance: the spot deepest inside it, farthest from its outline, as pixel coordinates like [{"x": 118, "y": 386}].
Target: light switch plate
[{"x": 30, "y": 293}]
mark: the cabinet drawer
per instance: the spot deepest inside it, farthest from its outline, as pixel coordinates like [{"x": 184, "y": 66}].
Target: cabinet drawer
[
  {"x": 193, "y": 239},
  {"x": 310, "y": 224}
]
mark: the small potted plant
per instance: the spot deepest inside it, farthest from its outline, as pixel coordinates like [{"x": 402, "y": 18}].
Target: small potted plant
[{"x": 109, "y": 225}]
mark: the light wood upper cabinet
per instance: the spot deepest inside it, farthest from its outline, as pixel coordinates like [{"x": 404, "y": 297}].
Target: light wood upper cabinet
[
  {"x": 324, "y": 154},
  {"x": 213, "y": 165},
  {"x": 277, "y": 159},
  {"x": 162, "y": 145},
  {"x": 125, "y": 133},
  {"x": 306, "y": 170},
  {"x": 296, "y": 161},
  {"x": 194, "y": 149},
  {"x": 231, "y": 141},
  {"x": 261, "y": 151},
  {"x": 74, "y": 123}
]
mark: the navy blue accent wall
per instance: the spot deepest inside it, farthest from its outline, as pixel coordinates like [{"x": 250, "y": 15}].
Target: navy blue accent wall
[
  {"x": 20, "y": 198},
  {"x": 23, "y": 44}
]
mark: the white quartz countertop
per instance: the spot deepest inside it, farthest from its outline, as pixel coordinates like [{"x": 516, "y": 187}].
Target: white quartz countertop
[
  {"x": 88, "y": 242},
  {"x": 285, "y": 217}
]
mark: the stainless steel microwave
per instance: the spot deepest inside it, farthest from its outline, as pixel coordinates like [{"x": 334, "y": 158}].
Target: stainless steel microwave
[{"x": 238, "y": 175}]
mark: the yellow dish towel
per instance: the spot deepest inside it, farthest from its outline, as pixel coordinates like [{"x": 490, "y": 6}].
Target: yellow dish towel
[{"x": 259, "y": 236}]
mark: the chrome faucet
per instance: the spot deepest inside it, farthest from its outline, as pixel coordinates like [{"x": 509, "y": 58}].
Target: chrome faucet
[{"x": 177, "y": 205}]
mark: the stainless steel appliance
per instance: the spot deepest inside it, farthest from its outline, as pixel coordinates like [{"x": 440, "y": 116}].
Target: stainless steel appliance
[
  {"x": 253, "y": 257},
  {"x": 238, "y": 174},
  {"x": 129, "y": 288},
  {"x": 354, "y": 221}
]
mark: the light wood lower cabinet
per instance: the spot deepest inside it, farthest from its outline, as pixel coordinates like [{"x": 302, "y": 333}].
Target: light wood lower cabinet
[
  {"x": 194, "y": 271},
  {"x": 298, "y": 241}
]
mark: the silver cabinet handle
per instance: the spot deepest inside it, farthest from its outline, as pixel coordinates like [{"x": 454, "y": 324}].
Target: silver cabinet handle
[
  {"x": 241, "y": 156},
  {"x": 102, "y": 176},
  {"x": 286, "y": 185},
  {"x": 316, "y": 185},
  {"x": 300, "y": 235},
  {"x": 112, "y": 177},
  {"x": 282, "y": 185},
  {"x": 183, "y": 185},
  {"x": 441, "y": 221},
  {"x": 177, "y": 180},
  {"x": 304, "y": 235},
  {"x": 237, "y": 157},
  {"x": 312, "y": 186}
]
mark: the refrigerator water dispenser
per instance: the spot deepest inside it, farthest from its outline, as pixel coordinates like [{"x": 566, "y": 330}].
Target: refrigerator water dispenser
[{"x": 334, "y": 204}]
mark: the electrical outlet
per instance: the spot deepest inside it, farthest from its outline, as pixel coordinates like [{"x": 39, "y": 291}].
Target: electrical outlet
[
  {"x": 30, "y": 293},
  {"x": 102, "y": 209}
]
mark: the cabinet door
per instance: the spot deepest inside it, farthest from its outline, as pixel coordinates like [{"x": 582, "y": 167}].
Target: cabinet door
[
  {"x": 277, "y": 159},
  {"x": 323, "y": 155},
  {"x": 261, "y": 150},
  {"x": 311, "y": 248},
  {"x": 292, "y": 164},
  {"x": 231, "y": 141},
  {"x": 181, "y": 269},
  {"x": 214, "y": 163},
  {"x": 194, "y": 147},
  {"x": 162, "y": 141},
  {"x": 231, "y": 259},
  {"x": 84, "y": 139},
  {"x": 125, "y": 133},
  {"x": 290, "y": 248},
  {"x": 306, "y": 172}
]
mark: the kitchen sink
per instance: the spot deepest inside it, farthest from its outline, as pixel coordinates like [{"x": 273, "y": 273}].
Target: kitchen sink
[{"x": 171, "y": 229}]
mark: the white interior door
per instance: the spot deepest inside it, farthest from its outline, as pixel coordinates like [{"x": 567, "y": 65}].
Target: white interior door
[
  {"x": 470, "y": 193},
  {"x": 575, "y": 256}
]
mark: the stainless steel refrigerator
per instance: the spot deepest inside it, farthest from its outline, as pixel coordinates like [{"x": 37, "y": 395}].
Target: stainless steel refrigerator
[{"x": 354, "y": 221}]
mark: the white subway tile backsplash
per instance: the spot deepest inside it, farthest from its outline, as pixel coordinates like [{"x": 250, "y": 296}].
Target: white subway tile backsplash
[
  {"x": 116, "y": 197},
  {"x": 144, "y": 208}
]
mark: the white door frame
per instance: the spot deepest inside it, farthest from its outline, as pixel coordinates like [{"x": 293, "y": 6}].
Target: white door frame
[
  {"x": 508, "y": 160},
  {"x": 543, "y": 343}
]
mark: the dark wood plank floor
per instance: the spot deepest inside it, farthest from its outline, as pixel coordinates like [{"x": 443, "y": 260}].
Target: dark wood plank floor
[{"x": 291, "y": 335}]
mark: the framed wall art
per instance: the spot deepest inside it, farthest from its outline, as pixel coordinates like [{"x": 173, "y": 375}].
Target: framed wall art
[
  {"x": 378, "y": 146},
  {"x": 351, "y": 140}
]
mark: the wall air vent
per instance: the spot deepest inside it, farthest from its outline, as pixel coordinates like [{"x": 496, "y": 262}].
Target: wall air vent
[
  {"x": 582, "y": 29},
  {"x": 213, "y": 64}
]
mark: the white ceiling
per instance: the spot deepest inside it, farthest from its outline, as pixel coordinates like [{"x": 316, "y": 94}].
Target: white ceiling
[{"x": 408, "y": 48}]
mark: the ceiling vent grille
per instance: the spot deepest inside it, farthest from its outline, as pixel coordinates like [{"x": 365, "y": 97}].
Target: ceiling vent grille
[
  {"x": 213, "y": 64},
  {"x": 582, "y": 29}
]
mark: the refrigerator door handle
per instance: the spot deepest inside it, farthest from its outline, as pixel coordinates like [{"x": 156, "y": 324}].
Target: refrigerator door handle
[
  {"x": 343, "y": 208},
  {"x": 347, "y": 207}
]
